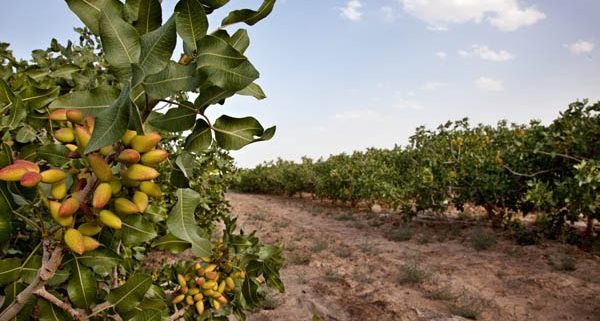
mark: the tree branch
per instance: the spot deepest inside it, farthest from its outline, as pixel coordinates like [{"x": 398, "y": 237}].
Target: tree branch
[
  {"x": 179, "y": 314},
  {"x": 41, "y": 292},
  {"x": 50, "y": 263},
  {"x": 526, "y": 175}
]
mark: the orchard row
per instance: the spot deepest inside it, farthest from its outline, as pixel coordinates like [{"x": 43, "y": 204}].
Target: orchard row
[{"x": 507, "y": 169}]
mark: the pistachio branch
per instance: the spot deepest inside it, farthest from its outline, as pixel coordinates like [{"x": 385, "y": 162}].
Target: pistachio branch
[
  {"x": 76, "y": 315},
  {"x": 51, "y": 260},
  {"x": 179, "y": 314}
]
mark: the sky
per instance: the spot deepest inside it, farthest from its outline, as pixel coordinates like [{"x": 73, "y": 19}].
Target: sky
[{"x": 345, "y": 75}]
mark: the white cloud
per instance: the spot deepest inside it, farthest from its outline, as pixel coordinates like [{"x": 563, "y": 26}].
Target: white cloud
[
  {"x": 430, "y": 86},
  {"x": 352, "y": 10},
  {"x": 506, "y": 15},
  {"x": 489, "y": 84},
  {"x": 441, "y": 54},
  {"x": 485, "y": 53},
  {"x": 388, "y": 13},
  {"x": 404, "y": 103},
  {"x": 357, "y": 114},
  {"x": 581, "y": 47}
]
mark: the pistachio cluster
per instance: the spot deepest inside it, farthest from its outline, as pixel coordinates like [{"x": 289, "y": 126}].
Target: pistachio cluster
[
  {"x": 208, "y": 284},
  {"x": 120, "y": 176}
]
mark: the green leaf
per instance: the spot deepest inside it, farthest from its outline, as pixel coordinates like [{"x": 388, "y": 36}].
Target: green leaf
[
  {"x": 214, "y": 4},
  {"x": 239, "y": 40},
  {"x": 200, "y": 139},
  {"x": 18, "y": 112},
  {"x": 182, "y": 223},
  {"x": 232, "y": 79},
  {"x": 253, "y": 90},
  {"x": 149, "y": 16},
  {"x": 102, "y": 260},
  {"x": 25, "y": 134},
  {"x": 88, "y": 101},
  {"x": 191, "y": 21},
  {"x": 50, "y": 312},
  {"x": 60, "y": 276},
  {"x": 249, "y": 17},
  {"x": 216, "y": 52},
  {"x": 185, "y": 163},
  {"x": 148, "y": 315},
  {"x": 7, "y": 97},
  {"x": 39, "y": 97},
  {"x": 171, "y": 243},
  {"x": 89, "y": 11},
  {"x": 120, "y": 42},
  {"x": 82, "y": 286},
  {"x": 111, "y": 123},
  {"x": 5, "y": 209},
  {"x": 30, "y": 268},
  {"x": 176, "y": 119},
  {"x": 128, "y": 296},
  {"x": 54, "y": 154},
  {"x": 234, "y": 133},
  {"x": 211, "y": 95},
  {"x": 173, "y": 79},
  {"x": 157, "y": 47},
  {"x": 9, "y": 270},
  {"x": 137, "y": 230}
]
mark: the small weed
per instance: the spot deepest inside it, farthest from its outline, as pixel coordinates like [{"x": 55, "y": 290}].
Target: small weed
[
  {"x": 281, "y": 224},
  {"x": 403, "y": 233},
  {"x": 358, "y": 225},
  {"x": 424, "y": 239},
  {"x": 564, "y": 263},
  {"x": 333, "y": 276},
  {"x": 367, "y": 248},
  {"x": 413, "y": 273},
  {"x": 342, "y": 252},
  {"x": 468, "y": 306},
  {"x": 482, "y": 239},
  {"x": 258, "y": 216},
  {"x": 514, "y": 251},
  {"x": 344, "y": 217},
  {"x": 376, "y": 223},
  {"x": 299, "y": 260},
  {"x": 318, "y": 246},
  {"x": 272, "y": 300},
  {"x": 441, "y": 293}
]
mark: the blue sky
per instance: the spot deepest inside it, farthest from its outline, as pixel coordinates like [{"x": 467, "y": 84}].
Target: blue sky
[{"x": 346, "y": 75}]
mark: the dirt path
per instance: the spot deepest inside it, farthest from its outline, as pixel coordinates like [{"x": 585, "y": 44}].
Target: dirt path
[{"x": 340, "y": 266}]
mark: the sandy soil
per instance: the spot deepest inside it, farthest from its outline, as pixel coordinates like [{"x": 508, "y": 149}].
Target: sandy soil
[{"x": 341, "y": 266}]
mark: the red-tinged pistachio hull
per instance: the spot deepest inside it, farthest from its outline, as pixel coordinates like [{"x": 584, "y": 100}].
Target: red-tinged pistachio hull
[
  {"x": 58, "y": 115},
  {"x": 102, "y": 195},
  {"x": 68, "y": 207},
  {"x": 12, "y": 173},
  {"x": 129, "y": 156},
  {"x": 30, "y": 179},
  {"x": 74, "y": 115}
]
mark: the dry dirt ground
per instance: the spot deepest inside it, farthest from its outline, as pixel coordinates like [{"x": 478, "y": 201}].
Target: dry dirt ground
[{"x": 343, "y": 265}]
